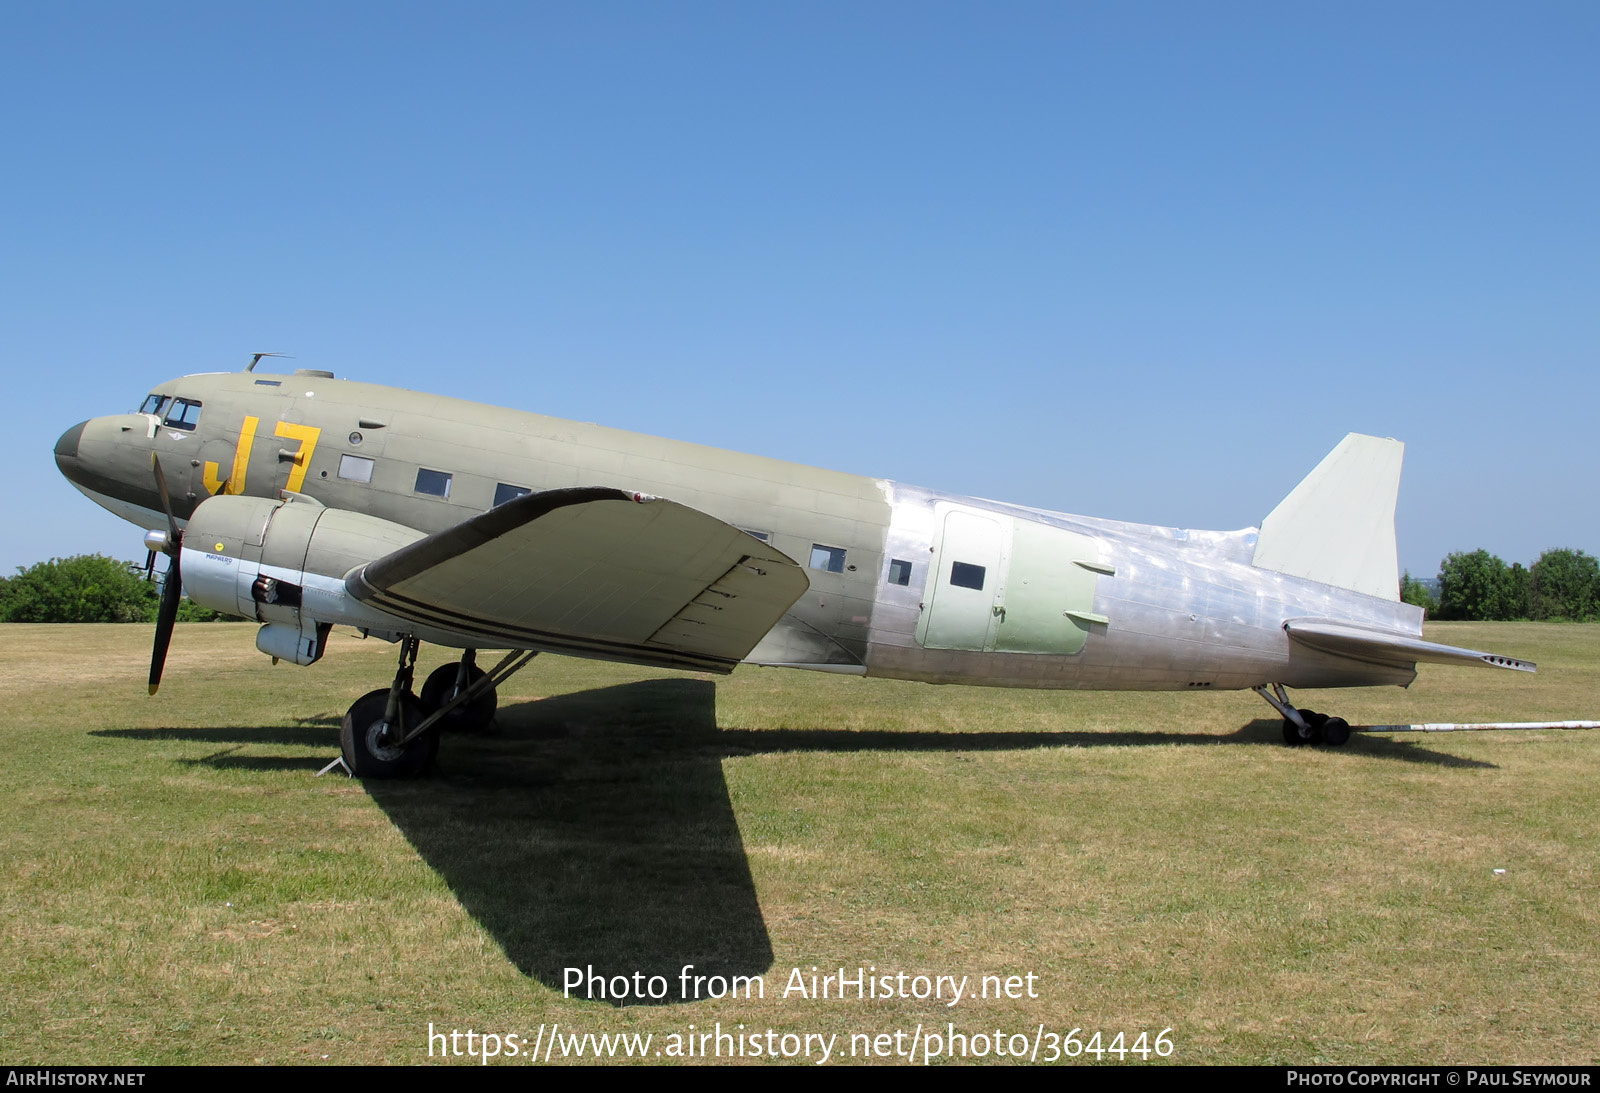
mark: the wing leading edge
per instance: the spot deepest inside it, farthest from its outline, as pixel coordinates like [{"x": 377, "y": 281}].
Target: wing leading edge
[
  {"x": 594, "y": 572},
  {"x": 1389, "y": 647}
]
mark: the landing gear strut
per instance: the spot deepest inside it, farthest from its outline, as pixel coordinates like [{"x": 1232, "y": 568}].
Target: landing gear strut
[
  {"x": 378, "y": 736},
  {"x": 394, "y": 734},
  {"x": 1304, "y": 726}
]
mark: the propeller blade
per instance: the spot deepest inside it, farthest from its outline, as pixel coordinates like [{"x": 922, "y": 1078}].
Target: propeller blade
[
  {"x": 166, "y": 504},
  {"x": 149, "y": 565},
  {"x": 166, "y": 618},
  {"x": 172, "y": 590}
]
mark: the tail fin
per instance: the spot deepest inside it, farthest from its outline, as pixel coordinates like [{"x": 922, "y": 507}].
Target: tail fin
[{"x": 1337, "y": 525}]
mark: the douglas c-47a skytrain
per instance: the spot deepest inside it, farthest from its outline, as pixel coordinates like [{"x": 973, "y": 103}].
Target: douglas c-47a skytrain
[{"x": 303, "y": 501}]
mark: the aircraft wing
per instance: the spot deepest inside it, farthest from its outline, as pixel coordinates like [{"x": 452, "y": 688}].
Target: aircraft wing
[
  {"x": 594, "y": 572},
  {"x": 1381, "y": 646}
]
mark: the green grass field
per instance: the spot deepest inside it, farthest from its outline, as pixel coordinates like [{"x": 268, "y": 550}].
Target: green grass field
[{"x": 179, "y": 888}]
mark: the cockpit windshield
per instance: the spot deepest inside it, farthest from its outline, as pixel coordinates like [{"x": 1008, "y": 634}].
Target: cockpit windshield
[
  {"x": 153, "y": 404},
  {"x": 184, "y": 413}
]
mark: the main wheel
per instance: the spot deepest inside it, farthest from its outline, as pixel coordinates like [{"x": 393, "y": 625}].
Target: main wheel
[
  {"x": 1335, "y": 731},
  {"x": 368, "y": 742},
  {"x": 471, "y": 716}
]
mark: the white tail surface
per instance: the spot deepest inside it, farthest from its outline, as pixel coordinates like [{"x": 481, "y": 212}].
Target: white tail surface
[{"x": 1337, "y": 525}]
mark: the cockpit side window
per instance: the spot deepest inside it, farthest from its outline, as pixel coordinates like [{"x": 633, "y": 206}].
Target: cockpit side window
[
  {"x": 153, "y": 404},
  {"x": 184, "y": 414}
]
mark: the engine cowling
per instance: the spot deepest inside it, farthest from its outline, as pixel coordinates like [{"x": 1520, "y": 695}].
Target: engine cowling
[{"x": 282, "y": 562}]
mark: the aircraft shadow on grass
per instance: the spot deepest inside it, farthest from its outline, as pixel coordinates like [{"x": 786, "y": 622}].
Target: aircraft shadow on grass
[{"x": 596, "y": 828}]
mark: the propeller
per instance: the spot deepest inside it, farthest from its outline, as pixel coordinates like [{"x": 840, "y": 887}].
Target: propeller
[{"x": 172, "y": 589}]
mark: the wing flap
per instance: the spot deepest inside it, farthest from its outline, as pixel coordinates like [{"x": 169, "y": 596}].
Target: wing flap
[
  {"x": 722, "y": 613},
  {"x": 595, "y": 572},
  {"x": 1391, "y": 647}
]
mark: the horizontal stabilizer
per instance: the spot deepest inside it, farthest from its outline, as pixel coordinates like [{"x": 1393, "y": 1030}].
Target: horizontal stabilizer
[
  {"x": 1390, "y": 647},
  {"x": 593, "y": 572},
  {"x": 1337, "y": 525}
]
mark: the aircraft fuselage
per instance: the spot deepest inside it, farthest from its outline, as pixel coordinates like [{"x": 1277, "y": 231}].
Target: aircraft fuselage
[{"x": 903, "y": 581}]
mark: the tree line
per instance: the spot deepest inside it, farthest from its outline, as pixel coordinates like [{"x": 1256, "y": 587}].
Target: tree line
[
  {"x": 1562, "y": 586},
  {"x": 88, "y": 588}
]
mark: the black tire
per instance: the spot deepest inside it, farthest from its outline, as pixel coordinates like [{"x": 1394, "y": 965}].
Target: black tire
[
  {"x": 1291, "y": 734},
  {"x": 440, "y": 687},
  {"x": 1335, "y": 731},
  {"x": 361, "y": 732}
]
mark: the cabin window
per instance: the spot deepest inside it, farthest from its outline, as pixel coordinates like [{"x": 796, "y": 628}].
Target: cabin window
[
  {"x": 185, "y": 415},
  {"x": 504, "y": 492},
  {"x": 436, "y": 483},
  {"x": 357, "y": 468},
  {"x": 899, "y": 572},
  {"x": 967, "y": 575},
  {"x": 153, "y": 404},
  {"x": 826, "y": 558}
]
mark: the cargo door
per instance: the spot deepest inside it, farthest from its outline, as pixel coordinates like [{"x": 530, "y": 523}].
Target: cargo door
[
  {"x": 1049, "y": 600},
  {"x": 967, "y": 585}
]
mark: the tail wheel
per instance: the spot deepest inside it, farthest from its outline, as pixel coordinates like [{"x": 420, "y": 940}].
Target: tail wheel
[
  {"x": 1316, "y": 722},
  {"x": 1335, "y": 731},
  {"x": 370, "y": 744}
]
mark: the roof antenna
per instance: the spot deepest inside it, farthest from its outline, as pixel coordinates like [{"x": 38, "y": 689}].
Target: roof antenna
[{"x": 256, "y": 359}]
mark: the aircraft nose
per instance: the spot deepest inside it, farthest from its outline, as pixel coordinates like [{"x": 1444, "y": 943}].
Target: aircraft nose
[{"x": 67, "y": 446}]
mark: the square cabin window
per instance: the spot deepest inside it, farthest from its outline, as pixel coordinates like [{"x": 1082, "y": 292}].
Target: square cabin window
[
  {"x": 357, "y": 468},
  {"x": 967, "y": 575},
  {"x": 504, "y": 492},
  {"x": 436, "y": 483},
  {"x": 899, "y": 572},
  {"x": 826, "y": 558}
]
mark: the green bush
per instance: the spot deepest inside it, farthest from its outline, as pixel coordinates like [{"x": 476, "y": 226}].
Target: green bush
[
  {"x": 1565, "y": 584},
  {"x": 84, "y": 588}
]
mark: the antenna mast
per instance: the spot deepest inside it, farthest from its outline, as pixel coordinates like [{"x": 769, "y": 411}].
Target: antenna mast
[{"x": 256, "y": 359}]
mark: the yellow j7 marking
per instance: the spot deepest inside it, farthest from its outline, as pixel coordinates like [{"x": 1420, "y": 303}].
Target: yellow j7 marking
[
  {"x": 234, "y": 483},
  {"x": 307, "y": 435}
]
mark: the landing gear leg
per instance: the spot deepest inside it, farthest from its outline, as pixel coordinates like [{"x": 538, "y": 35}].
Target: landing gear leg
[
  {"x": 449, "y": 680},
  {"x": 378, "y": 735},
  {"x": 1304, "y": 726}
]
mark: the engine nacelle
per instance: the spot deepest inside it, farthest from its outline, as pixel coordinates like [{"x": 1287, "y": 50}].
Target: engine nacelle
[{"x": 283, "y": 564}]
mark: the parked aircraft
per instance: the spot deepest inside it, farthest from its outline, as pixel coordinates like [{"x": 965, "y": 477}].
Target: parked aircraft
[{"x": 303, "y": 501}]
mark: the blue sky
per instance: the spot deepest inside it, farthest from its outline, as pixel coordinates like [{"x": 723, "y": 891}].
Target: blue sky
[{"x": 1146, "y": 261}]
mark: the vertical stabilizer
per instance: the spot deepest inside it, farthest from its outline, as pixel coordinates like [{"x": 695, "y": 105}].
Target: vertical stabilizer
[{"x": 1337, "y": 525}]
